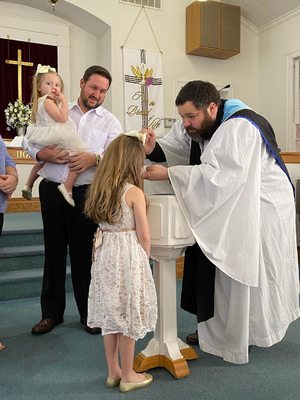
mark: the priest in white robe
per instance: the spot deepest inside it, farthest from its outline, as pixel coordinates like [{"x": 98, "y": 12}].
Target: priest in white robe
[{"x": 239, "y": 204}]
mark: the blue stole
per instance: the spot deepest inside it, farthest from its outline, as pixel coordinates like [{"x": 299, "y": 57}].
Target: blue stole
[{"x": 231, "y": 107}]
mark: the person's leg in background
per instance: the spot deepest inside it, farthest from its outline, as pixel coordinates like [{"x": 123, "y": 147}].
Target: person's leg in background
[
  {"x": 55, "y": 214},
  {"x": 1, "y": 225},
  {"x": 1, "y": 222},
  {"x": 81, "y": 230},
  {"x": 197, "y": 295}
]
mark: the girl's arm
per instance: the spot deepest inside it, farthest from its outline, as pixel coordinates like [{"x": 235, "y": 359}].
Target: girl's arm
[
  {"x": 57, "y": 107},
  {"x": 135, "y": 199}
]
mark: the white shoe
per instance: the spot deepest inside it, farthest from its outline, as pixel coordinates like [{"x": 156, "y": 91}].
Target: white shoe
[
  {"x": 27, "y": 192},
  {"x": 67, "y": 196}
]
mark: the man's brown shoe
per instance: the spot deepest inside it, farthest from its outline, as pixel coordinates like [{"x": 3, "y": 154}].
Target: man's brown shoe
[
  {"x": 88, "y": 329},
  {"x": 44, "y": 326},
  {"x": 192, "y": 338}
]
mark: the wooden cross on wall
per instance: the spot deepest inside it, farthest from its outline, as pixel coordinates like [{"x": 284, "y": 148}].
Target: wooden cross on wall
[{"x": 20, "y": 64}]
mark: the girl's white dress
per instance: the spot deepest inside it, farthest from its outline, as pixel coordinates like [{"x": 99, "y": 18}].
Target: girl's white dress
[
  {"x": 47, "y": 132},
  {"x": 122, "y": 296}
]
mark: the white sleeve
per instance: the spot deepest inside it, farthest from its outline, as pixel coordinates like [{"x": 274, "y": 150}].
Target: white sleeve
[
  {"x": 176, "y": 145},
  {"x": 114, "y": 130},
  {"x": 220, "y": 199},
  {"x": 30, "y": 148}
]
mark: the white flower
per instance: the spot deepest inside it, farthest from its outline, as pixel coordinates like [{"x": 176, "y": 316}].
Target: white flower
[{"x": 17, "y": 114}]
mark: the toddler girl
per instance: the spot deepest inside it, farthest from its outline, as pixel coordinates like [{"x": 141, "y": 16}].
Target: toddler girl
[{"x": 51, "y": 126}]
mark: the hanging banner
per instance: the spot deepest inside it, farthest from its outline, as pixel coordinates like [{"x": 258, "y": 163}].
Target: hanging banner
[{"x": 143, "y": 90}]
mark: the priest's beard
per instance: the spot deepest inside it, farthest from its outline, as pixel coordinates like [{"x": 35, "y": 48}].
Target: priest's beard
[{"x": 208, "y": 128}]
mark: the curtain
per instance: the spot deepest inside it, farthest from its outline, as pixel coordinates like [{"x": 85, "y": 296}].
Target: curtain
[{"x": 32, "y": 52}]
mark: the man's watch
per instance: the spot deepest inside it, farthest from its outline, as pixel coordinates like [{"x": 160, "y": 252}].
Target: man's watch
[{"x": 98, "y": 159}]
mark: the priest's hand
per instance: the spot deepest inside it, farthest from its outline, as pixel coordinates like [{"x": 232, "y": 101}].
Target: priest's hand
[
  {"x": 156, "y": 173},
  {"x": 150, "y": 140}
]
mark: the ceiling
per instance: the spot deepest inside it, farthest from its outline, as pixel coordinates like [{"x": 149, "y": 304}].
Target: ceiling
[
  {"x": 258, "y": 12},
  {"x": 263, "y": 12},
  {"x": 69, "y": 12}
]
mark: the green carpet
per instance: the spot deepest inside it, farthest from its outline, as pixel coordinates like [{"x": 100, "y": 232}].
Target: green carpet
[{"x": 69, "y": 364}]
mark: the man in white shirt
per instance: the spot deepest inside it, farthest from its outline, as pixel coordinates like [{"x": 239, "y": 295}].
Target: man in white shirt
[
  {"x": 65, "y": 226},
  {"x": 238, "y": 201}
]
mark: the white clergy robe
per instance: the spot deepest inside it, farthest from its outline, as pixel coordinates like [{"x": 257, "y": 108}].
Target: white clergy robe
[{"x": 240, "y": 207}]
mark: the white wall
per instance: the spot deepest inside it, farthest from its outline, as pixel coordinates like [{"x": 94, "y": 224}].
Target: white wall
[
  {"x": 275, "y": 45},
  {"x": 85, "y": 49},
  {"x": 77, "y": 48},
  {"x": 169, "y": 28},
  {"x": 258, "y": 74},
  {"x": 294, "y": 171}
]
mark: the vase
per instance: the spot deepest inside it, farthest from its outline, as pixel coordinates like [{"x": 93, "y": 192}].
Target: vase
[{"x": 21, "y": 131}]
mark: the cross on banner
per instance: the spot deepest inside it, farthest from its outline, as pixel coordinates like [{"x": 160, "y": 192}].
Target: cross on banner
[
  {"x": 20, "y": 64},
  {"x": 143, "y": 77},
  {"x": 143, "y": 106}
]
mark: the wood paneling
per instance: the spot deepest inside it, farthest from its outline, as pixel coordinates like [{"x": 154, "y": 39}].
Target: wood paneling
[
  {"x": 291, "y": 157},
  {"x": 18, "y": 204},
  {"x": 179, "y": 267},
  {"x": 19, "y": 155}
]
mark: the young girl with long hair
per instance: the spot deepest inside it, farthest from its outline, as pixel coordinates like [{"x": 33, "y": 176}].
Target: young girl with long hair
[
  {"x": 51, "y": 126},
  {"x": 122, "y": 297}
]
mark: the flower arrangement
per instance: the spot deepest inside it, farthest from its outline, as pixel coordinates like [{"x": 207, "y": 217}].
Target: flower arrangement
[{"x": 17, "y": 114}]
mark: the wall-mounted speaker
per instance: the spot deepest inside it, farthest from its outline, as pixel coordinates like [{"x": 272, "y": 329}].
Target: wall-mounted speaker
[{"x": 213, "y": 29}]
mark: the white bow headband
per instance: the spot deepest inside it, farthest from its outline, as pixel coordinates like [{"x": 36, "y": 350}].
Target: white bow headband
[
  {"x": 44, "y": 69},
  {"x": 140, "y": 135}
]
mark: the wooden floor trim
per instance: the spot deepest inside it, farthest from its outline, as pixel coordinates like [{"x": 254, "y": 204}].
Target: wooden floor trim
[{"x": 18, "y": 204}]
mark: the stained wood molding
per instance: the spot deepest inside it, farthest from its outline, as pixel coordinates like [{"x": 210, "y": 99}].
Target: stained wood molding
[
  {"x": 18, "y": 204},
  {"x": 291, "y": 157},
  {"x": 19, "y": 155}
]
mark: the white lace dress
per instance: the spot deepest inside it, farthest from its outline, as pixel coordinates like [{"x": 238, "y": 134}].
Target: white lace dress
[
  {"x": 46, "y": 131},
  {"x": 122, "y": 296}
]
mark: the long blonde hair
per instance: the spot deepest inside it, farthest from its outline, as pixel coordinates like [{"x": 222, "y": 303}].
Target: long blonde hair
[
  {"x": 122, "y": 162},
  {"x": 37, "y": 80}
]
